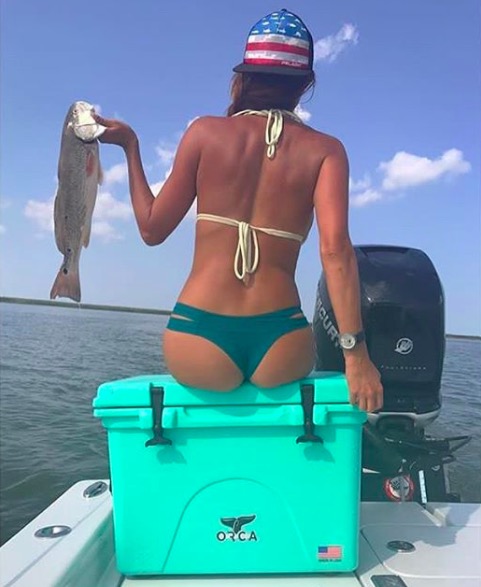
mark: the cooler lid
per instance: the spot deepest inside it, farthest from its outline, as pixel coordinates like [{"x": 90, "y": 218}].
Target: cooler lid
[{"x": 329, "y": 388}]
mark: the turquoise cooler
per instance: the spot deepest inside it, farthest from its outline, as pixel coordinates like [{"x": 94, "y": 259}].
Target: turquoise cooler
[{"x": 248, "y": 482}]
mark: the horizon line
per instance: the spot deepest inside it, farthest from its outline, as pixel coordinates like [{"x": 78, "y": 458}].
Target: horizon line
[{"x": 132, "y": 309}]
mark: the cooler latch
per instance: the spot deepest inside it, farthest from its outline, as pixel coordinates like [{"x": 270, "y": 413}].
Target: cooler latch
[
  {"x": 307, "y": 399},
  {"x": 157, "y": 402}
]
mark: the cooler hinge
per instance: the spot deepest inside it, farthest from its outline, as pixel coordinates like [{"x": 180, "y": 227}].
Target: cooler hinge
[
  {"x": 307, "y": 399},
  {"x": 157, "y": 402}
]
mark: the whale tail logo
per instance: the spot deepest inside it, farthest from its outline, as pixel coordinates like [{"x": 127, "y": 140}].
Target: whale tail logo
[{"x": 237, "y": 523}]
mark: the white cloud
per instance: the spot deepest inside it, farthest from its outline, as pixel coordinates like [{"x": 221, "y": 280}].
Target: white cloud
[
  {"x": 108, "y": 208},
  {"x": 105, "y": 231},
  {"x": 41, "y": 213},
  {"x": 367, "y": 197},
  {"x": 361, "y": 184},
  {"x": 4, "y": 204},
  {"x": 116, "y": 174},
  {"x": 406, "y": 170},
  {"x": 166, "y": 150},
  {"x": 303, "y": 114},
  {"x": 329, "y": 48},
  {"x": 156, "y": 187},
  {"x": 166, "y": 153}
]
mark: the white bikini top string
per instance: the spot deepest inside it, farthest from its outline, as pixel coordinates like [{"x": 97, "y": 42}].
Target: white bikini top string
[
  {"x": 274, "y": 126},
  {"x": 246, "y": 257}
]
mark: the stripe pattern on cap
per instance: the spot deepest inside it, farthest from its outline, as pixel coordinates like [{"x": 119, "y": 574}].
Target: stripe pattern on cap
[{"x": 279, "y": 39}]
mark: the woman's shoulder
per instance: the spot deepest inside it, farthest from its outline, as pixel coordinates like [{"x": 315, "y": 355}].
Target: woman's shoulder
[
  {"x": 209, "y": 130},
  {"x": 320, "y": 135},
  {"x": 202, "y": 126},
  {"x": 319, "y": 139},
  {"x": 207, "y": 120}
]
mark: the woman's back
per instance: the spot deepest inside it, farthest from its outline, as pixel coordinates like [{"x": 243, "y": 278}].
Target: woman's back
[{"x": 236, "y": 180}]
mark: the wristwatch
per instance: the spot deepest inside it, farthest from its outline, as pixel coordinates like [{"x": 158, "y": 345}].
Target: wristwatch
[{"x": 348, "y": 341}]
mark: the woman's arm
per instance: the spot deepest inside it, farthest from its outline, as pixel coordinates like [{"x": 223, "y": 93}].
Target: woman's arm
[
  {"x": 331, "y": 200},
  {"x": 158, "y": 216}
]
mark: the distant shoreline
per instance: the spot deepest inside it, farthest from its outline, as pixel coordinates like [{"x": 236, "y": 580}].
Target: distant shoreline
[
  {"x": 81, "y": 306},
  {"x": 108, "y": 308}
]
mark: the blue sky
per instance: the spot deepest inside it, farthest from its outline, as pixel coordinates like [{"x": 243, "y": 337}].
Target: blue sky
[{"x": 397, "y": 82}]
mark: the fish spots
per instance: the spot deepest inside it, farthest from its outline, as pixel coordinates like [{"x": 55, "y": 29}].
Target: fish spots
[{"x": 68, "y": 254}]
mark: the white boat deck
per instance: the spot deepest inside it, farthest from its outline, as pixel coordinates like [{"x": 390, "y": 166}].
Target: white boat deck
[{"x": 446, "y": 537}]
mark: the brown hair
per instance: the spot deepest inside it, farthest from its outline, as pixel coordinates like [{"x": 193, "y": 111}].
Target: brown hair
[{"x": 259, "y": 91}]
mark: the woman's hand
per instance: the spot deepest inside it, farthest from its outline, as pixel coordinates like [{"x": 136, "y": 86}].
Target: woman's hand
[
  {"x": 117, "y": 133},
  {"x": 364, "y": 382}
]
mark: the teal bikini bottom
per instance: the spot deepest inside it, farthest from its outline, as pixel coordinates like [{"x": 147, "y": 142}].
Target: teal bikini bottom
[{"x": 245, "y": 339}]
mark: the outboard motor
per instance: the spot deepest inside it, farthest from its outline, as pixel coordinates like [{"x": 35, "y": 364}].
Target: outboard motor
[{"x": 402, "y": 308}]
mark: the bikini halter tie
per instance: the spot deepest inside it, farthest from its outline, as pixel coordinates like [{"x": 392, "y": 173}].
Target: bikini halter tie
[
  {"x": 274, "y": 125},
  {"x": 246, "y": 257}
]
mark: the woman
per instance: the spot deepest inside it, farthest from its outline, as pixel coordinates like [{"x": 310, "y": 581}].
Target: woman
[{"x": 259, "y": 176}]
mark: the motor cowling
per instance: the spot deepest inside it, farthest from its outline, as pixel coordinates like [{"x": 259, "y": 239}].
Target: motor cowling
[{"x": 402, "y": 308}]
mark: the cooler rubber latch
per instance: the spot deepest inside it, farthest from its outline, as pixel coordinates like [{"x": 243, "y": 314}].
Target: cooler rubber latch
[
  {"x": 157, "y": 402},
  {"x": 307, "y": 399}
]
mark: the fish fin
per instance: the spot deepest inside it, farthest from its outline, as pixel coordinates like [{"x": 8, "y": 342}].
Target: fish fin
[
  {"x": 59, "y": 225},
  {"x": 91, "y": 187},
  {"x": 66, "y": 285},
  {"x": 86, "y": 231},
  {"x": 90, "y": 164}
]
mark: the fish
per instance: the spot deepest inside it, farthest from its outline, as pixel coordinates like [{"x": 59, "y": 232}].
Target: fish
[{"x": 79, "y": 175}]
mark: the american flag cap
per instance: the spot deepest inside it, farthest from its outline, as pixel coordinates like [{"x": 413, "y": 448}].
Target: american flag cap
[{"x": 279, "y": 43}]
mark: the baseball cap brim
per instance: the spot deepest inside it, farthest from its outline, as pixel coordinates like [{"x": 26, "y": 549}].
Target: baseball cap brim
[{"x": 274, "y": 69}]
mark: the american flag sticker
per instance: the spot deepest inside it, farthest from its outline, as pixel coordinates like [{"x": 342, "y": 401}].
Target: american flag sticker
[{"x": 329, "y": 553}]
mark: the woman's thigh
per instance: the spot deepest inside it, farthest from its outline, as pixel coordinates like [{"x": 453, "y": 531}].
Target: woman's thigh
[
  {"x": 197, "y": 362},
  {"x": 291, "y": 357}
]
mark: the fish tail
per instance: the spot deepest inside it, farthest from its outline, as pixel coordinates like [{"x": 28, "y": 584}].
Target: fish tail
[{"x": 66, "y": 285}]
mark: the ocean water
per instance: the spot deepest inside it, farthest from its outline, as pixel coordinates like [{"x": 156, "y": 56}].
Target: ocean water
[{"x": 53, "y": 360}]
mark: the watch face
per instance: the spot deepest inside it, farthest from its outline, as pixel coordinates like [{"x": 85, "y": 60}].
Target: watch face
[{"x": 348, "y": 341}]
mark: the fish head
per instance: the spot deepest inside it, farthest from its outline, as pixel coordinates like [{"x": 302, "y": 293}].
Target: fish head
[
  {"x": 80, "y": 119},
  {"x": 76, "y": 112}
]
